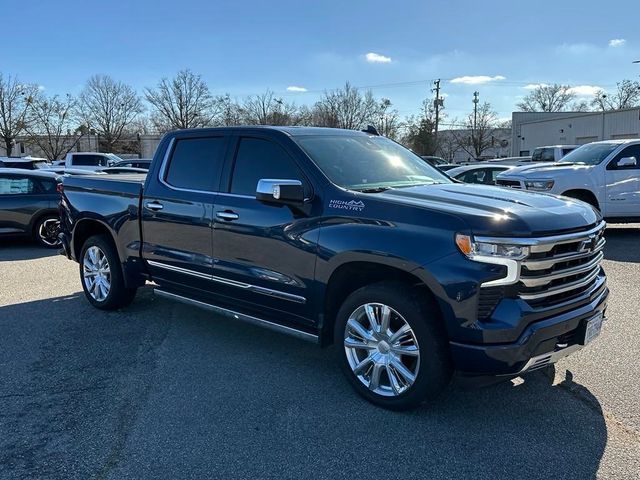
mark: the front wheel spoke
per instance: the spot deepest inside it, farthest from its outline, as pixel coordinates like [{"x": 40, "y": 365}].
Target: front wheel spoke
[
  {"x": 386, "y": 318},
  {"x": 354, "y": 343},
  {"x": 374, "y": 378},
  {"x": 397, "y": 336},
  {"x": 407, "y": 376},
  {"x": 357, "y": 328},
  {"x": 409, "y": 350},
  {"x": 371, "y": 316},
  {"x": 363, "y": 366},
  {"x": 394, "y": 380},
  {"x": 103, "y": 290}
]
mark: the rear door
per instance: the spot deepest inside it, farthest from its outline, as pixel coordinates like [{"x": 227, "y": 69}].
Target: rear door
[
  {"x": 177, "y": 211},
  {"x": 622, "y": 184},
  {"x": 265, "y": 253},
  {"x": 20, "y": 198}
]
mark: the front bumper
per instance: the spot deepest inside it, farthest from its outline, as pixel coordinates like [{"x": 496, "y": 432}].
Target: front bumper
[{"x": 541, "y": 343}]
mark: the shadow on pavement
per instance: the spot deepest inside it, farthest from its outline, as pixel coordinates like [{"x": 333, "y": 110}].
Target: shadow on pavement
[
  {"x": 23, "y": 248},
  {"x": 161, "y": 390},
  {"x": 623, "y": 244}
]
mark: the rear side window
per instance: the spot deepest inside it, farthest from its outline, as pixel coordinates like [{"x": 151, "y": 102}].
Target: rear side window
[
  {"x": 16, "y": 186},
  {"x": 257, "y": 159},
  {"x": 567, "y": 150},
  {"x": 196, "y": 163},
  {"x": 89, "y": 160}
]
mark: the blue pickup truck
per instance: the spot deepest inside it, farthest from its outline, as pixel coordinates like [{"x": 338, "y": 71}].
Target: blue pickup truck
[{"x": 346, "y": 238}]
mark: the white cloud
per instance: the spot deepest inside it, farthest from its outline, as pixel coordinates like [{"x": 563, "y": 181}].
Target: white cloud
[
  {"x": 585, "y": 90},
  {"x": 294, "y": 88},
  {"x": 533, "y": 86},
  {"x": 377, "y": 58},
  {"x": 617, "y": 42},
  {"x": 476, "y": 79}
]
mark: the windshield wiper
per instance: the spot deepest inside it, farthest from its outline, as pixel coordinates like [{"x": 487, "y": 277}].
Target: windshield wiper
[{"x": 371, "y": 190}]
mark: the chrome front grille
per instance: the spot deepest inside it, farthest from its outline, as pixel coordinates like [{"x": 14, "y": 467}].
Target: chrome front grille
[{"x": 561, "y": 267}]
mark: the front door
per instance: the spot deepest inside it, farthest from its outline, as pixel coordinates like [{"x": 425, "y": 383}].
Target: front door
[
  {"x": 264, "y": 253},
  {"x": 177, "y": 211},
  {"x": 623, "y": 185}
]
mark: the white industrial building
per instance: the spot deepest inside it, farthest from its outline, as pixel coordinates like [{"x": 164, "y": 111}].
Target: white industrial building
[{"x": 536, "y": 129}]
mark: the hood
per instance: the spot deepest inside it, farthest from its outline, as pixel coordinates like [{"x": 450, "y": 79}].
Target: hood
[
  {"x": 499, "y": 211},
  {"x": 539, "y": 170}
]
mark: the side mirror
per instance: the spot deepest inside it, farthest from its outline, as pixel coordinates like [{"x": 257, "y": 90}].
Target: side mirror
[
  {"x": 280, "y": 191},
  {"x": 627, "y": 162}
]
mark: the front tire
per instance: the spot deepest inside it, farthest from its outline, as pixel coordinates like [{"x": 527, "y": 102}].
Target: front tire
[
  {"x": 101, "y": 275},
  {"x": 392, "y": 345}
]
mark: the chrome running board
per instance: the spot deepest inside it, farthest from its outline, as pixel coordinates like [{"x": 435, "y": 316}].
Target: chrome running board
[{"x": 310, "y": 337}]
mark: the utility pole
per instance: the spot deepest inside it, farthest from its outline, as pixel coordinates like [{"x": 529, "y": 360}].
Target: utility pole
[
  {"x": 475, "y": 109},
  {"x": 437, "y": 103}
]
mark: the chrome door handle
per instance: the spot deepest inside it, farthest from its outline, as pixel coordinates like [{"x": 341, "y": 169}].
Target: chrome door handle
[
  {"x": 227, "y": 215},
  {"x": 154, "y": 206}
]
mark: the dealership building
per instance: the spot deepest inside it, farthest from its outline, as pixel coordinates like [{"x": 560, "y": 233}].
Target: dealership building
[{"x": 535, "y": 129}]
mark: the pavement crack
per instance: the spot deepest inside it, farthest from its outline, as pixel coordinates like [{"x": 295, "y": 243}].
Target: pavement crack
[{"x": 146, "y": 364}]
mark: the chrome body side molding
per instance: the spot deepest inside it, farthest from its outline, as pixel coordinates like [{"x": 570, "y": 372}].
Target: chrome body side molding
[{"x": 247, "y": 286}]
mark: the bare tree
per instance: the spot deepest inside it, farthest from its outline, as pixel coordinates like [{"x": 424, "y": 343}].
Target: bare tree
[
  {"x": 15, "y": 101},
  {"x": 230, "y": 111},
  {"x": 420, "y": 130},
  {"x": 627, "y": 95},
  {"x": 109, "y": 107},
  {"x": 547, "y": 98},
  {"x": 448, "y": 145},
  {"x": 386, "y": 119},
  {"x": 345, "y": 108},
  {"x": 479, "y": 134},
  {"x": 182, "y": 102},
  {"x": 267, "y": 109},
  {"x": 53, "y": 125}
]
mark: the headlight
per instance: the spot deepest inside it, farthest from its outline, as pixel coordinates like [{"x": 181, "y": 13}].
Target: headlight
[
  {"x": 495, "y": 253},
  {"x": 538, "y": 184},
  {"x": 472, "y": 249}
]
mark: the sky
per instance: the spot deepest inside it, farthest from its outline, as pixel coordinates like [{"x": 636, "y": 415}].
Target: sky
[{"x": 299, "y": 49}]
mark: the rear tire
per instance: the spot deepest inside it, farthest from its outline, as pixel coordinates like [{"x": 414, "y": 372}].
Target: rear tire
[
  {"x": 101, "y": 275},
  {"x": 46, "y": 231},
  {"x": 401, "y": 358}
]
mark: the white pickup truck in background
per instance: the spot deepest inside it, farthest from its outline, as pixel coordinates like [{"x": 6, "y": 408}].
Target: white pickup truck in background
[
  {"x": 605, "y": 174},
  {"x": 89, "y": 160},
  {"x": 552, "y": 153}
]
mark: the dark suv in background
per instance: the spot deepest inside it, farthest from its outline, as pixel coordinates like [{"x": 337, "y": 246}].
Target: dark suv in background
[{"x": 29, "y": 204}]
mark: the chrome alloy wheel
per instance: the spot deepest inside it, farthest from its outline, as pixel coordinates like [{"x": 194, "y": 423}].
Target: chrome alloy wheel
[
  {"x": 382, "y": 349},
  {"x": 96, "y": 273},
  {"x": 48, "y": 232}
]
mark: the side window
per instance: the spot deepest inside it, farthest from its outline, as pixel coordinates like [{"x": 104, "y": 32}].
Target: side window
[
  {"x": 548, "y": 155},
  {"x": 494, "y": 175},
  {"x": 257, "y": 159},
  {"x": 196, "y": 163},
  {"x": 567, "y": 150},
  {"x": 632, "y": 151},
  {"x": 89, "y": 160},
  {"x": 16, "y": 186},
  {"x": 47, "y": 186}
]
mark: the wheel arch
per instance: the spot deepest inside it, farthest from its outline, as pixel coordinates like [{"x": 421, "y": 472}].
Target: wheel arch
[
  {"x": 350, "y": 276},
  {"x": 86, "y": 228},
  {"x": 583, "y": 194},
  {"x": 38, "y": 216}
]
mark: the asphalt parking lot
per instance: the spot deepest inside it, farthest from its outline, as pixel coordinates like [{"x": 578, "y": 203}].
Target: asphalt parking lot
[{"x": 162, "y": 390}]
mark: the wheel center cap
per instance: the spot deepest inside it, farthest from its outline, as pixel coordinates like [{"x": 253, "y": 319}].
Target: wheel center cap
[{"x": 383, "y": 347}]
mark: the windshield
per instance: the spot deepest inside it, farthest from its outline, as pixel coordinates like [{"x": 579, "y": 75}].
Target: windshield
[
  {"x": 543, "y": 155},
  {"x": 364, "y": 163},
  {"x": 590, "y": 154}
]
